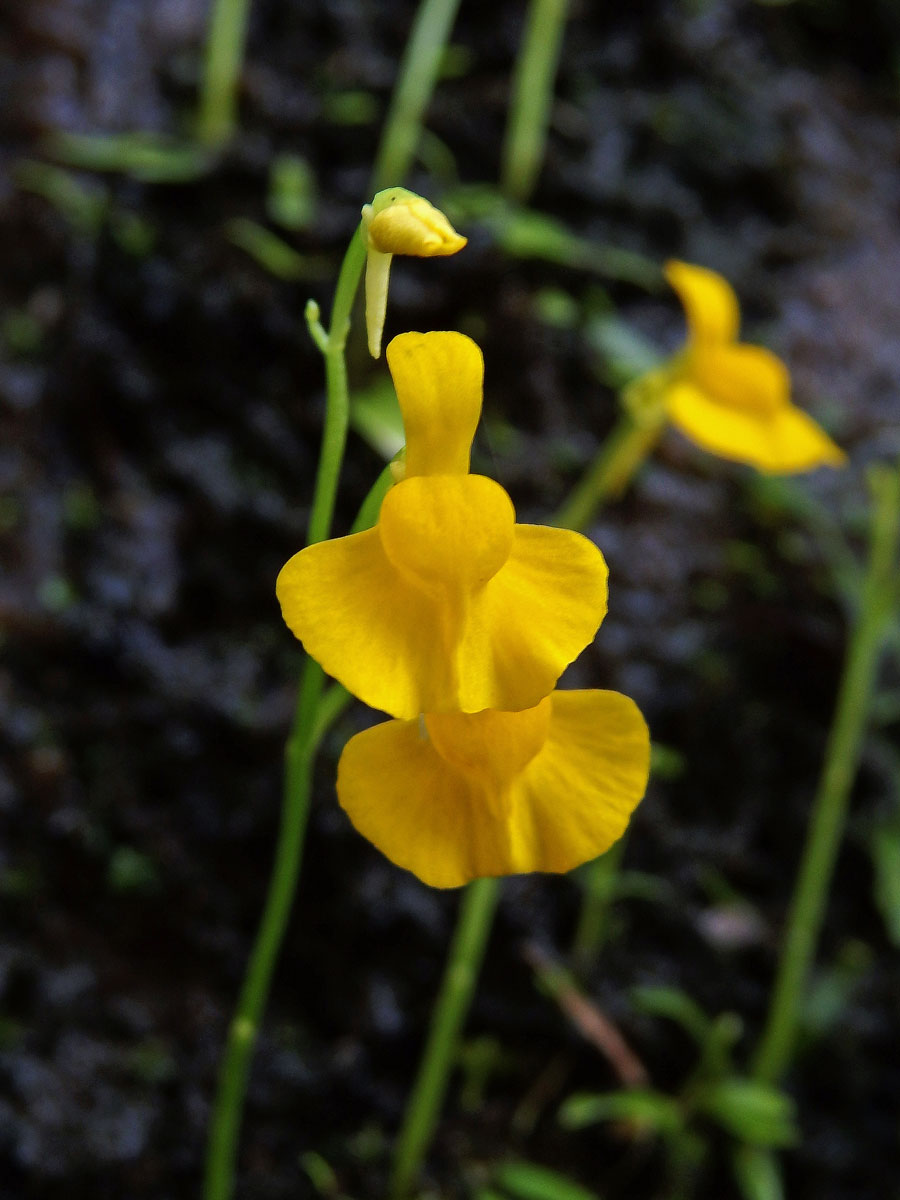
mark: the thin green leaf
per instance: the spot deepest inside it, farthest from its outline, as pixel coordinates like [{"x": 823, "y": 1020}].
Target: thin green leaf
[
  {"x": 527, "y": 1181},
  {"x": 643, "y": 1107},
  {"x": 755, "y": 1112}
]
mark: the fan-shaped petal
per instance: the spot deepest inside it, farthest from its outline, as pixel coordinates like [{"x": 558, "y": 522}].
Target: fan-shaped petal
[
  {"x": 779, "y": 442},
  {"x": 558, "y": 791}
]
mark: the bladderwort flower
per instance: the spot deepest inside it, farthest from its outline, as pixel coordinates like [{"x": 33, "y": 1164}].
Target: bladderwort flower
[
  {"x": 454, "y": 797},
  {"x": 446, "y": 605},
  {"x": 730, "y": 397},
  {"x": 399, "y": 222}
]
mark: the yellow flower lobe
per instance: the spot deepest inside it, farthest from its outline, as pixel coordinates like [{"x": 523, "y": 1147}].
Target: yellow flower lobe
[
  {"x": 438, "y": 377},
  {"x": 447, "y": 532},
  {"x": 498, "y": 793}
]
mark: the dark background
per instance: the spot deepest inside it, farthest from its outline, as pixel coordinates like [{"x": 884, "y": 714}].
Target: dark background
[{"x": 160, "y": 408}]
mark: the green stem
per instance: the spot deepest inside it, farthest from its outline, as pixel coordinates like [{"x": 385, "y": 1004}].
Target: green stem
[
  {"x": 222, "y": 59},
  {"x": 460, "y": 976},
  {"x": 842, "y": 755},
  {"x": 312, "y": 718},
  {"x": 417, "y": 76},
  {"x": 599, "y": 880},
  {"x": 621, "y": 456},
  {"x": 306, "y": 733},
  {"x": 337, "y": 410},
  {"x": 532, "y": 98}
]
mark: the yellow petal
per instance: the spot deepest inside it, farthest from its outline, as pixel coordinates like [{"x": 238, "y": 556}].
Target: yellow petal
[
  {"x": 438, "y": 377},
  {"x": 744, "y": 377},
  {"x": 783, "y": 441},
  {"x": 449, "y": 534},
  {"x": 709, "y": 302},
  {"x": 408, "y": 640},
  {"x": 424, "y": 816},
  {"x": 566, "y": 779},
  {"x": 575, "y": 797},
  {"x": 535, "y": 617},
  {"x": 399, "y": 222},
  {"x": 382, "y": 637}
]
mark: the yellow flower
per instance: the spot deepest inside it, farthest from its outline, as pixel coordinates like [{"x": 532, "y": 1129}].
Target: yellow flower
[
  {"x": 733, "y": 398},
  {"x": 454, "y": 797},
  {"x": 399, "y": 222},
  {"x": 447, "y": 605}
]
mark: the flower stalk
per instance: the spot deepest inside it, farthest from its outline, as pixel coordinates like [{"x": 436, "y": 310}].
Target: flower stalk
[
  {"x": 222, "y": 58},
  {"x": 878, "y": 606},
  {"x": 532, "y": 97},
  {"x": 313, "y": 716},
  {"x": 476, "y": 915},
  {"x": 624, "y": 452}
]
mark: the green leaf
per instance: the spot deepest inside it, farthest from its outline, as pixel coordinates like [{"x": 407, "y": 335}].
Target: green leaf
[
  {"x": 147, "y": 156},
  {"x": 375, "y": 415},
  {"x": 527, "y": 1181},
  {"x": 675, "y": 1004},
  {"x": 884, "y": 847},
  {"x": 643, "y": 1107},
  {"x": 291, "y": 201},
  {"x": 755, "y": 1112},
  {"x": 626, "y": 355},
  {"x": 84, "y": 205},
  {"x": 832, "y": 989},
  {"x": 757, "y": 1174},
  {"x": 273, "y": 254}
]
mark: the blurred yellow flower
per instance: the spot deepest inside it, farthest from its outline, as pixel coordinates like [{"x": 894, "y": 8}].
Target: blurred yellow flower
[
  {"x": 454, "y": 797},
  {"x": 447, "y": 605},
  {"x": 399, "y": 222},
  {"x": 733, "y": 398}
]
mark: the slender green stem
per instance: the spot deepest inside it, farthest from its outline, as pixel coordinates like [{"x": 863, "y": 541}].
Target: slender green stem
[
  {"x": 312, "y": 717},
  {"x": 417, "y": 76},
  {"x": 460, "y": 976},
  {"x": 337, "y": 411},
  {"x": 222, "y": 59},
  {"x": 593, "y": 920},
  {"x": 621, "y": 456},
  {"x": 532, "y": 97},
  {"x": 842, "y": 754},
  {"x": 299, "y": 753}
]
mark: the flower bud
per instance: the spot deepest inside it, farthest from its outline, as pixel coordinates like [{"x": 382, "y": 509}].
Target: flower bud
[{"x": 399, "y": 222}]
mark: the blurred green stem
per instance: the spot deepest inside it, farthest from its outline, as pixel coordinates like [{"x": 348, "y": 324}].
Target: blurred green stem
[
  {"x": 473, "y": 927},
  {"x": 417, "y": 77},
  {"x": 593, "y": 920},
  {"x": 878, "y": 606},
  {"x": 532, "y": 98},
  {"x": 621, "y": 456},
  {"x": 222, "y": 59}
]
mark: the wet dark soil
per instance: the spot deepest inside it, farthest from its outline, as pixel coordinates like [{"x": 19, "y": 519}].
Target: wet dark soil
[{"x": 160, "y": 406}]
